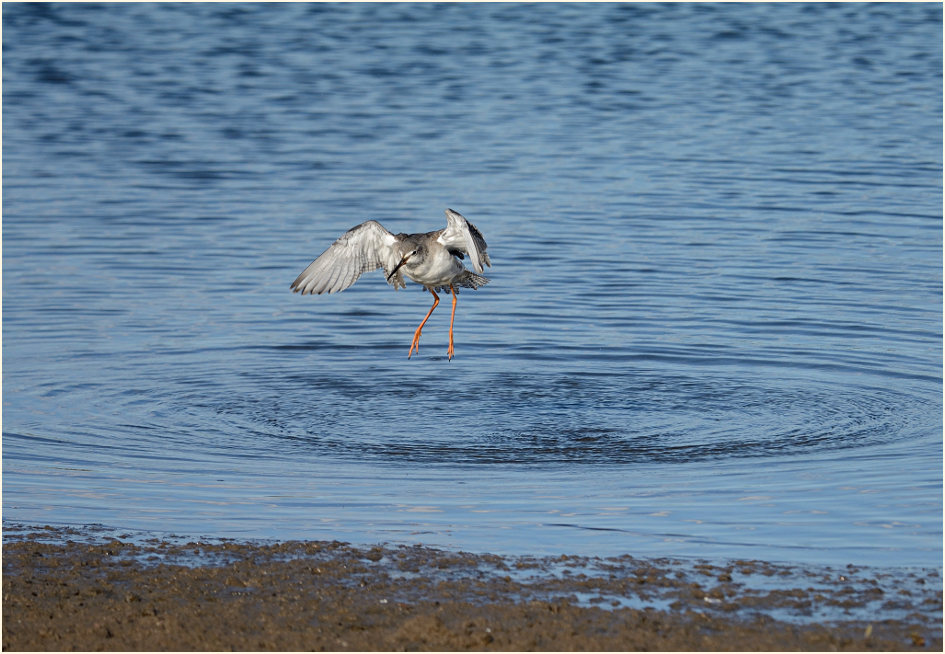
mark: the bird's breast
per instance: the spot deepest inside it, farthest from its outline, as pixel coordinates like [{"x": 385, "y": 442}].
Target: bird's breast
[{"x": 438, "y": 267}]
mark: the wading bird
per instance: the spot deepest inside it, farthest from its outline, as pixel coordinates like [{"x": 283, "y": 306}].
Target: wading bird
[{"x": 431, "y": 260}]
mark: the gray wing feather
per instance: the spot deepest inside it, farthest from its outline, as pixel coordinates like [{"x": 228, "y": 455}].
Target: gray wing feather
[
  {"x": 460, "y": 234},
  {"x": 361, "y": 249}
]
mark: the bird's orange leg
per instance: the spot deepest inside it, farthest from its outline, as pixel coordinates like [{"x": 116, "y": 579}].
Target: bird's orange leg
[
  {"x": 449, "y": 351},
  {"x": 416, "y": 334}
]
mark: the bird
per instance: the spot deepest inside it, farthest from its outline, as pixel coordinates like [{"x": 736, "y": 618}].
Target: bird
[{"x": 431, "y": 259}]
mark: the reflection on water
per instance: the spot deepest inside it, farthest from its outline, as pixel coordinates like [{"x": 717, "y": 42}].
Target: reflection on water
[{"x": 715, "y": 316}]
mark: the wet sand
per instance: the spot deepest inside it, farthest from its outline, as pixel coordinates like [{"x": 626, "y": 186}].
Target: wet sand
[{"x": 66, "y": 589}]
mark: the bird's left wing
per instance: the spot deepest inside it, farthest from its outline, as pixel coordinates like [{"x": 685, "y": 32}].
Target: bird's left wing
[
  {"x": 462, "y": 235},
  {"x": 361, "y": 249}
]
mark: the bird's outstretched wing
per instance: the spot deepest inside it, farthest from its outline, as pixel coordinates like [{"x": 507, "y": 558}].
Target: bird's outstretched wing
[
  {"x": 462, "y": 235},
  {"x": 359, "y": 250}
]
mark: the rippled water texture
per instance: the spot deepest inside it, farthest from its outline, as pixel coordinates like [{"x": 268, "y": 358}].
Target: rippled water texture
[{"x": 714, "y": 326}]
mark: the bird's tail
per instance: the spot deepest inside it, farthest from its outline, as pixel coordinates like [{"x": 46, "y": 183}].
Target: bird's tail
[{"x": 467, "y": 280}]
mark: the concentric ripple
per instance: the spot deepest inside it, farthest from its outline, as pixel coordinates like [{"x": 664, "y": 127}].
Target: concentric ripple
[{"x": 576, "y": 419}]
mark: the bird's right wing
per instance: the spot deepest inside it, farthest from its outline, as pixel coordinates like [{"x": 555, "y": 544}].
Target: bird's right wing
[
  {"x": 361, "y": 249},
  {"x": 461, "y": 235}
]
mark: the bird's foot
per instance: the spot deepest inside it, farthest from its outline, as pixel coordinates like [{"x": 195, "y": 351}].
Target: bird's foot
[{"x": 415, "y": 344}]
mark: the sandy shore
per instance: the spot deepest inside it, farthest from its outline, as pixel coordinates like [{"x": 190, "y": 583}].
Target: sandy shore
[{"x": 76, "y": 589}]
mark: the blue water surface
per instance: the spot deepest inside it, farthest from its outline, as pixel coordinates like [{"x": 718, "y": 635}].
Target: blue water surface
[{"x": 714, "y": 322}]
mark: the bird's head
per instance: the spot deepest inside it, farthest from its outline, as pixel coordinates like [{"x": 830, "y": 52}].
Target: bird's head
[{"x": 414, "y": 252}]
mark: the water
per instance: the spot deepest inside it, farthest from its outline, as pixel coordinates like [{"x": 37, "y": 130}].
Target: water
[{"x": 714, "y": 327}]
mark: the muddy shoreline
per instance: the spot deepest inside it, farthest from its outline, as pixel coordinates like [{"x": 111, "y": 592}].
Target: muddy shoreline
[{"x": 66, "y": 589}]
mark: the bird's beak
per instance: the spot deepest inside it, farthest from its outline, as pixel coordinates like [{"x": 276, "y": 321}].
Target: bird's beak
[{"x": 397, "y": 267}]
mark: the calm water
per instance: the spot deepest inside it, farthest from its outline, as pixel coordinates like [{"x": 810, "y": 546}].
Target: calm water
[{"x": 714, "y": 327}]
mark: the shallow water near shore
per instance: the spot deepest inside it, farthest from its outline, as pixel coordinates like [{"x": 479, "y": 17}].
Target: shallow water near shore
[
  {"x": 713, "y": 328},
  {"x": 104, "y": 588}
]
